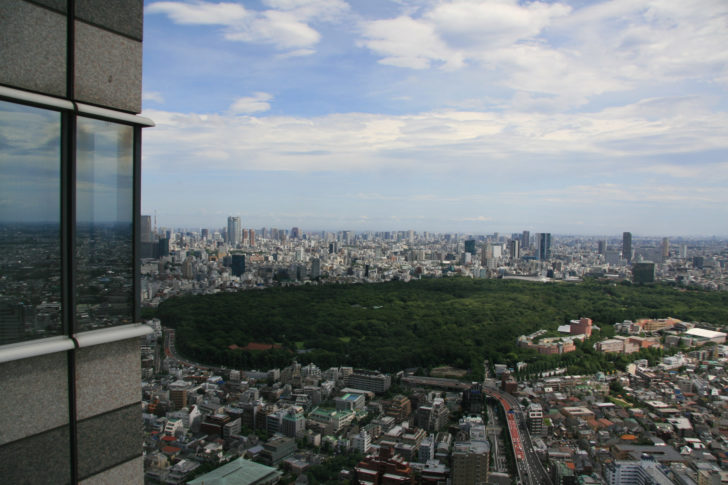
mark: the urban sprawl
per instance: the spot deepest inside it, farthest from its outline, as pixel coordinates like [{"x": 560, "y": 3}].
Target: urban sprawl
[{"x": 656, "y": 423}]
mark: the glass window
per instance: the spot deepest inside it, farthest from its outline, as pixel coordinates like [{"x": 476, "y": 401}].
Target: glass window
[
  {"x": 30, "y": 215},
  {"x": 104, "y": 224}
]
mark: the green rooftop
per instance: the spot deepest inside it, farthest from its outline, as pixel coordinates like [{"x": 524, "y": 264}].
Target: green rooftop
[{"x": 239, "y": 472}]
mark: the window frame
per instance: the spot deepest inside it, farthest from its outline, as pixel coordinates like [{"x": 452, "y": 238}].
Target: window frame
[{"x": 71, "y": 336}]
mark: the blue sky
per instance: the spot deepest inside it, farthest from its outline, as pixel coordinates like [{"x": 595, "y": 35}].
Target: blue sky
[{"x": 572, "y": 117}]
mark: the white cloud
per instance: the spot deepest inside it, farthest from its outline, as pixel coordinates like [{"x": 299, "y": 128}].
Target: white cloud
[
  {"x": 405, "y": 42},
  {"x": 285, "y": 25},
  {"x": 572, "y": 54},
  {"x": 319, "y": 10},
  {"x": 200, "y": 13},
  {"x": 252, "y": 104},
  {"x": 153, "y": 96},
  {"x": 476, "y": 24},
  {"x": 508, "y": 145}
]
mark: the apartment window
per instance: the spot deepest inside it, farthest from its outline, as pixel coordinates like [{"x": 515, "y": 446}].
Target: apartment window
[
  {"x": 69, "y": 192},
  {"x": 30, "y": 223}
]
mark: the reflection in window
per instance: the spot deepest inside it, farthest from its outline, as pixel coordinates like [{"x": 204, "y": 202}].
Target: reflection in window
[
  {"x": 30, "y": 240},
  {"x": 104, "y": 215}
]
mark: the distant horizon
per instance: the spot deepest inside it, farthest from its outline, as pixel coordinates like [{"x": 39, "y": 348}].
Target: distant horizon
[{"x": 257, "y": 227}]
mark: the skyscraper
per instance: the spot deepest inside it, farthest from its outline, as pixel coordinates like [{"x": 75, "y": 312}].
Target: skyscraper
[
  {"x": 146, "y": 229},
  {"x": 514, "y": 249},
  {"x": 544, "y": 246},
  {"x": 238, "y": 264},
  {"x": 627, "y": 246},
  {"x": 234, "y": 230},
  {"x": 69, "y": 84},
  {"x": 665, "y": 248},
  {"x": 526, "y": 240},
  {"x": 470, "y": 246}
]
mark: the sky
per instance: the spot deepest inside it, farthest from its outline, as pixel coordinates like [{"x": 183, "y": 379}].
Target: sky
[{"x": 573, "y": 117}]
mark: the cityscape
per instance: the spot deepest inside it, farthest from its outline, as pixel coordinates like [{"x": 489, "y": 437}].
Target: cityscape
[
  {"x": 437, "y": 427},
  {"x": 232, "y": 257},
  {"x": 340, "y": 242}
]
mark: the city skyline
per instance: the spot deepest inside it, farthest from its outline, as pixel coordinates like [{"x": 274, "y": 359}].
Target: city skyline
[{"x": 572, "y": 118}]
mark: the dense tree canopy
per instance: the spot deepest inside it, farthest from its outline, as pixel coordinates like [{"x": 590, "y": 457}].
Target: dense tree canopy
[{"x": 396, "y": 325}]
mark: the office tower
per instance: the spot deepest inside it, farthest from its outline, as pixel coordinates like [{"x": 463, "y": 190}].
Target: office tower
[
  {"x": 205, "y": 233},
  {"x": 683, "y": 251},
  {"x": 146, "y": 228},
  {"x": 295, "y": 233},
  {"x": 470, "y": 246},
  {"x": 315, "y": 268},
  {"x": 601, "y": 246},
  {"x": 238, "y": 264},
  {"x": 643, "y": 272},
  {"x": 70, "y": 82},
  {"x": 665, "y": 248},
  {"x": 544, "y": 246},
  {"x": 526, "y": 240},
  {"x": 514, "y": 249},
  {"x": 149, "y": 247},
  {"x": 627, "y": 246},
  {"x": 163, "y": 247},
  {"x": 234, "y": 230}
]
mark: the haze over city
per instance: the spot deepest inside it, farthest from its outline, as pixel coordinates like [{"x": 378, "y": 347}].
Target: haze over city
[{"x": 564, "y": 117}]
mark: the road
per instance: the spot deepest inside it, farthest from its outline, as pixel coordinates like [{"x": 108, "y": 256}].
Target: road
[{"x": 530, "y": 470}]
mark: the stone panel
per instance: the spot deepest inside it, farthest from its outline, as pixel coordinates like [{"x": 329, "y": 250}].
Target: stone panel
[
  {"x": 108, "y": 376},
  {"x": 129, "y": 472},
  {"x": 109, "y": 440},
  {"x": 34, "y": 397},
  {"x": 32, "y": 48},
  {"x": 122, "y": 16},
  {"x": 108, "y": 69},
  {"x": 40, "y": 459},
  {"x": 60, "y": 5}
]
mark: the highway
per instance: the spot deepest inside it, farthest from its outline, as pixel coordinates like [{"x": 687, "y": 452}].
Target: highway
[{"x": 530, "y": 470}]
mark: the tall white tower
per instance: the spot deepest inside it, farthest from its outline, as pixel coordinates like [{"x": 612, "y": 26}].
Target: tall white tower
[{"x": 234, "y": 230}]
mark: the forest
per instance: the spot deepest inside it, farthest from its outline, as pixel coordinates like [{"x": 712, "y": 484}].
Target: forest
[{"x": 420, "y": 324}]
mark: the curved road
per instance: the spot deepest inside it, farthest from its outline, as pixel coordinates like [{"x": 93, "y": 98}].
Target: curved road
[{"x": 530, "y": 470}]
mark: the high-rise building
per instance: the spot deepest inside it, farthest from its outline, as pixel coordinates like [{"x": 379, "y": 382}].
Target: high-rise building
[
  {"x": 70, "y": 84},
  {"x": 526, "y": 240},
  {"x": 665, "y": 248},
  {"x": 251, "y": 238},
  {"x": 627, "y": 246},
  {"x": 544, "y": 246},
  {"x": 643, "y": 272},
  {"x": 315, "y": 268},
  {"x": 470, "y": 246},
  {"x": 146, "y": 228},
  {"x": 514, "y": 249},
  {"x": 234, "y": 230},
  {"x": 238, "y": 264},
  {"x": 601, "y": 246},
  {"x": 683, "y": 251}
]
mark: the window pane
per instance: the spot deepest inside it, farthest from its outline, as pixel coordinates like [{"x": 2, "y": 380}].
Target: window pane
[
  {"x": 104, "y": 214},
  {"x": 30, "y": 241}
]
